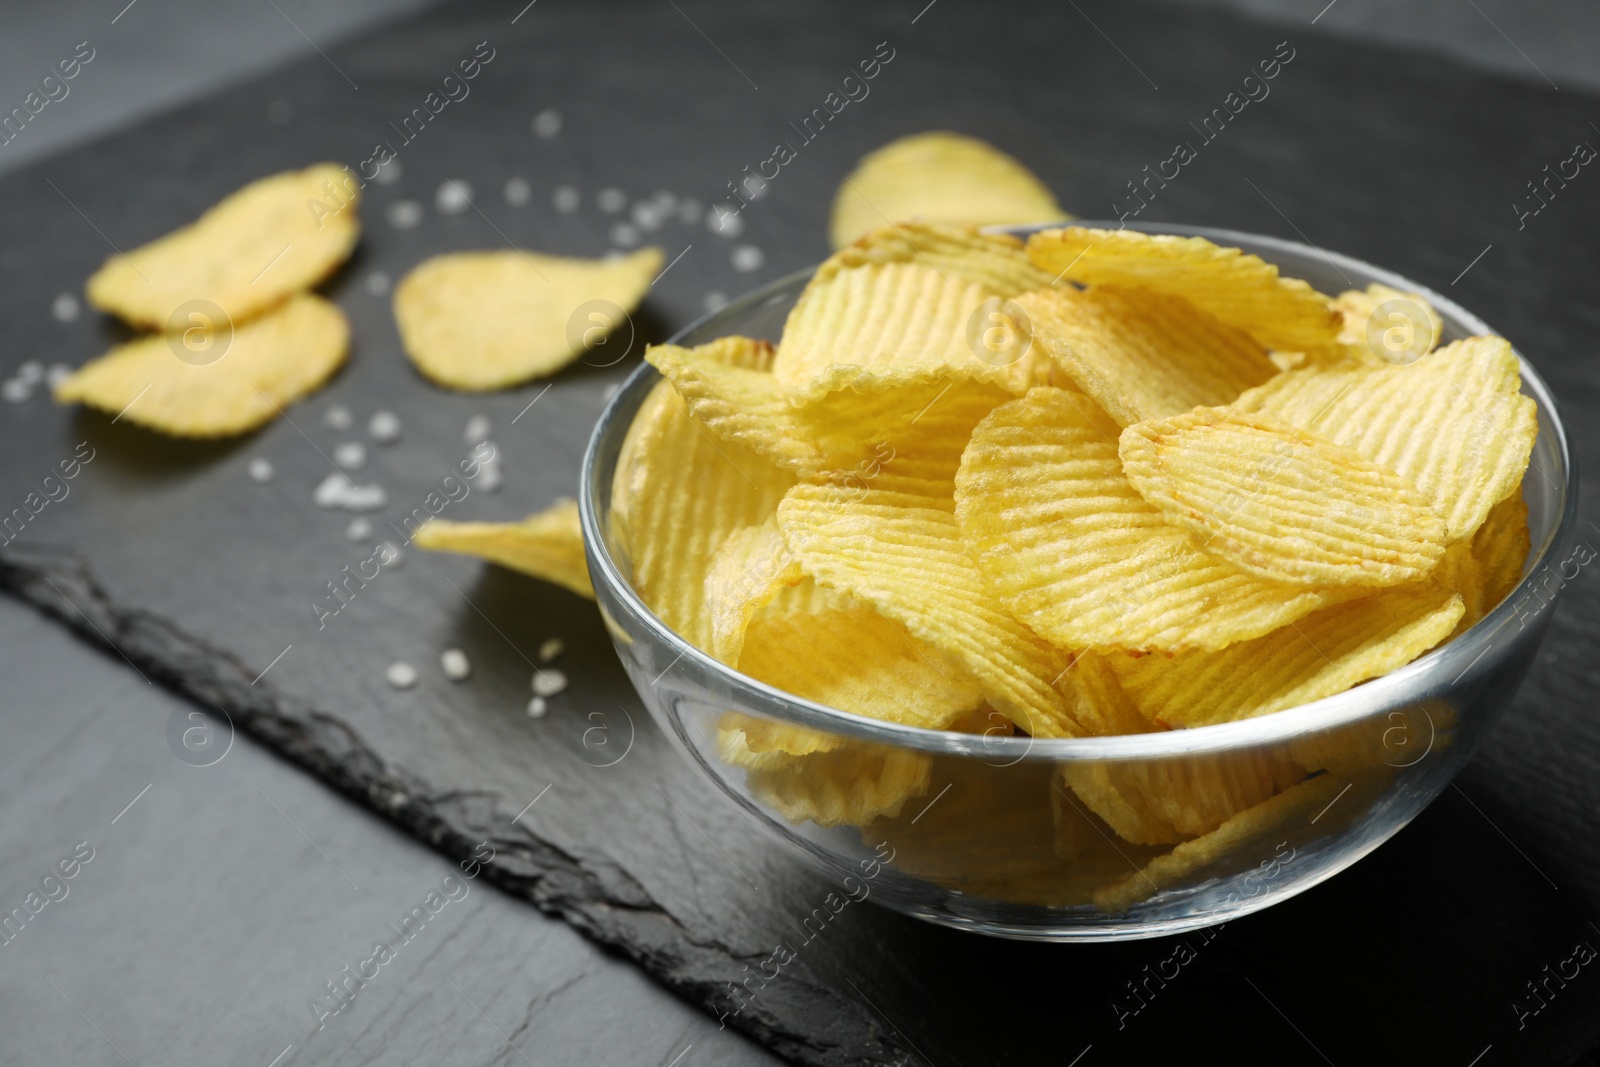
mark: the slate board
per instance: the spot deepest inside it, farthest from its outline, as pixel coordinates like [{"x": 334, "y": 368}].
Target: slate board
[{"x": 169, "y": 556}]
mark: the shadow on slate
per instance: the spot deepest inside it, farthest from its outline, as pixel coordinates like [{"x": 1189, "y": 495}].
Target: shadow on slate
[{"x": 170, "y": 555}]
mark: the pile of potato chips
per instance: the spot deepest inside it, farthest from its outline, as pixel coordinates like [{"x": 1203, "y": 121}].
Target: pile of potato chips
[{"x": 1067, "y": 487}]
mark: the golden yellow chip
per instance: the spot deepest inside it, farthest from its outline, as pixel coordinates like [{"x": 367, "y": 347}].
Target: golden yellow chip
[
  {"x": 1240, "y": 289},
  {"x": 1142, "y": 355},
  {"x": 487, "y": 320},
  {"x": 677, "y": 495},
  {"x": 996, "y": 261},
  {"x": 547, "y": 545},
  {"x": 1282, "y": 814},
  {"x": 1324, "y": 653},
  {"x": 1281, "y": 503},
  {"x": 1070, "y": 547},
  {"x": 1501, "y": 548},
  {"x": 1385, "y": 326},
  {"x": 273, "y": 238},
  {"x": 901, "y": 553},
  {"x": 1453, "y": 423},
  {"x": 847, "y": 786},
  {"x": 938, "y": 177},
  {"x": 891, "y": 324},
  {"x": 217, "y": 383},
  {"x": 749, "y": 569}
]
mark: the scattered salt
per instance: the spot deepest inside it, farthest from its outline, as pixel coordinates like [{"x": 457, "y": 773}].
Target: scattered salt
[
  {"x": 625, "y": 235},
  {"x": 337, "y": 491},
  {"x": 453, "y": 196},
  {"x": 552, "y": 648},
  {"x": 747, "y": 258},
  {"x": 518, "y": 192},
  {"x": 404, "y": 214},
  {"x": 537, "y": 708},
  {"x": 358, "y": 530},
  {"x": 401, "y": 675},
  {"x": 455, "y": 664},
  {"x": 477, "y": 430},
  {"x": 548, "y": 683},
  {"x": 377, "y": 283},
  {"x": 16, "y": 390},
  {"x": 384, "y": 427},
  {"x": 716, "y": 300},
  {"x": 566, "y": 199},
  {"x": 611, "y": 200},
  {"x": 260, "y": 470},
  {"x": 547, "y": 123},
  {"x": 64, "y": 308},
  {"x": 350, "y": 455},
  {"x": 337, "y": 417}
]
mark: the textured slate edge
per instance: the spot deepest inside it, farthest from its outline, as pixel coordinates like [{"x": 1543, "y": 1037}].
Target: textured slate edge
[{"x": 804, "y": 1022}]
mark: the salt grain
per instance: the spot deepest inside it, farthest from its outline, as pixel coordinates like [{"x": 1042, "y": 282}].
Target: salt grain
[
  {"x": 64, "y": 308},
  {"x": 716, "y": 300},
  {"x": 377, "y": 283},
  {"x": 546, "y": 123},
  {"x": 724, "y": 222},
  {"x": 16, "y": 390},
  {"x": 58, "y": 373},
  {"x": 350, "y": 455},
  {"x": 648, "y": 215},
  {"x": 611, "y": 200},
  {"x": 401, "y": 675},
  {"x": 552, "y": 648},
  {"x": 537, "y": 708},
  {"x": 453, "y": 196},
  {"x": 404, "y": 214},
  {"x": 455, "y": 664},
  {"x": 388, "y": 173},
  {"x": 337, "y": 491},
  {"x": 384, "y": 427},
  {"x": 566, "y": 199},
  {"x": 260, "y": 470},
  {"x": 518, "y": 192},
  {"x": 747, "y": 258},
  {"x": 477, "y": 430},
  {"x": 690, "y": 212},
  {"x": 358, "y": 530},
  {"x": 337, "y": 417},
  {"x": 625, "y": 235},
  {"x": 548, "y": 683}
]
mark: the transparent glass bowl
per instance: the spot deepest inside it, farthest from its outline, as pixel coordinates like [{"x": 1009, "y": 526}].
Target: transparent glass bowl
[{"x": 992, "y": 841}]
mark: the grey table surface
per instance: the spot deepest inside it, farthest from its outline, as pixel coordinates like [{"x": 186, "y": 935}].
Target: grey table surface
[{"x": 206, "y": 920}]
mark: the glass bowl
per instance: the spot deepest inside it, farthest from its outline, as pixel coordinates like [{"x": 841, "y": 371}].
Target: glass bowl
[{"x": 989, "y": 839}]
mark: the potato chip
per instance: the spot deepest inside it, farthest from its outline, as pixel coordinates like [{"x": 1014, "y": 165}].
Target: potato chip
[
  {"x": 478, "y": 321},
  {"x": 1453, "y": 423},
  {"x": 848, "y": 786},
  {"x": 901, "y": 553},
  {"x": 1281, "y": 814},
  {"x": 265, "y": 242},
  {"x": 938, "y": 177},
  {"x": 1501, "y": 548},
  {"x": 1070, "y": 547},
  {"x": 217, "y": 383},
  {"x": 547, "y": 545},
  {"x": 1281, "y": 503},
  {"x": 1386, "y": 327},
  {"x": 996, "y": 261},
  {"x": 1240, "y": 289},
  {"x": 888, "y": 324},
  {"x": 1324, "y": 653},
  {"x": 749, "y": 569},
  {"x": 671, "y": 533},
  {"x": 1142, "y": 355}
]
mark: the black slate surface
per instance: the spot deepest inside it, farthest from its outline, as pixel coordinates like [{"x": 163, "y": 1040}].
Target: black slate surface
[{"x": 168, "y": 554}]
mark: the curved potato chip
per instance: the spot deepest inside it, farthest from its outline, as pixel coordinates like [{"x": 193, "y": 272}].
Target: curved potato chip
[
  {"x": 901, "y": 553},
  {"x": 1453, "y": 423},
  {"x": 678, "y": 493},
  {"x": 1384, "y": 326},
  {"x": 749, "y": 569},
  {"x": 848, "y": 786},
  {"x": 1281, "y": 503},
  {"x": 1142, "y": 355},
  {"x": 939, "y": 177},
  {"x": 887, "y": 324},
  {"x": 272, "y": 360},
  {"x": 1072, "y": 549},
  {"x": 1250, "y": 827},
  {"x": 1240, "y": 289},
  {"x": 265, "y": 242},
  {"x": 547, "y": 545},
  {"x": 1501, "y": 548},
  {"x": 996, "y": 261},
  {"x": 1324, "y": 653},
  {"x": 488, "y": 320}
]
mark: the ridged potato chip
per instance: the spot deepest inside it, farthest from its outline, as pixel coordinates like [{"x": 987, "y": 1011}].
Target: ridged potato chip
[
  {"x": 1281, "y": 503},
  {"x": 887, "y": 324},
  {"x": 547, "y": 545},
  {"x": 847, "y": 786},
  {"x": 749, "y": 569},
  {"x": 670, "y": 532},
  {"x": 938, "y": 177},
  {"x": 996, "y": 261},
  {"x": 901, "y": 553},
  {"x": 1070, "y": 547},
  {"x": 1454, "y": 423},
  {"x": 1142, "y": 355},
  {"x": 1324, "y": 653},
  {"x": 1500, "y": 547},
  {"x": 1251, "y": 827},
  {"x": 1386, "y": 327},
  {"x": 1240, "y": 289},
  {"x": 265, "y": 242},
  {"x": 478, "y": 321},
  {"x": 270, "y": 361}
]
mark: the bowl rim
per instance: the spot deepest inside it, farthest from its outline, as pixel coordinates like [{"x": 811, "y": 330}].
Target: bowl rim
[{"x": 1395, "y": 689}]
